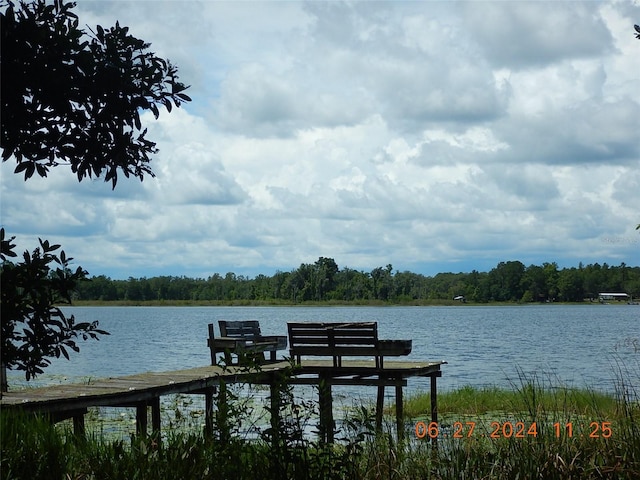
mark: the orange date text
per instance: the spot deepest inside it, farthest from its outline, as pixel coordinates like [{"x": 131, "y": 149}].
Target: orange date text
[
  {"x": 595, "y": 430},
  {"x": 468, "y": 430}
]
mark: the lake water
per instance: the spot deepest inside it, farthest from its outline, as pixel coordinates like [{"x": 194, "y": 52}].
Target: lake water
[{"x": 582, "y": 345}]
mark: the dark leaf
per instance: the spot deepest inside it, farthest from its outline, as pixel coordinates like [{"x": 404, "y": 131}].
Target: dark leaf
[{"x": 21, "y": 167}]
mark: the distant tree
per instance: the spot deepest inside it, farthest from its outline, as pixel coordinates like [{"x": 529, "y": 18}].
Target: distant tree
[
  {"x": 534, "y": 283},
  {"x": 570, "y": 285},
  {"x": 68, "y": 97},
  {"x": 506, "y": 281},
  {"x": 325, "y": 273},
  {"x": 407, "y": 285},
  {"x": 382, "y": 282},
  {"x": 551, "y": 278}
]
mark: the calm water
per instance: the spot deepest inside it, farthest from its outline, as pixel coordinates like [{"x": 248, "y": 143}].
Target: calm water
[{"x": 577, "y": 345}]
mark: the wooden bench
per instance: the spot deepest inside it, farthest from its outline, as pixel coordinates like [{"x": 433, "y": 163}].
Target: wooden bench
[
  {"x": 243, "y": 338},
  {"x": 342, "y": 339}
]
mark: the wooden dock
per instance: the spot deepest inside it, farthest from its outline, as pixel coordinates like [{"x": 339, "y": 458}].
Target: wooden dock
[{"x": 143, "y": 391}]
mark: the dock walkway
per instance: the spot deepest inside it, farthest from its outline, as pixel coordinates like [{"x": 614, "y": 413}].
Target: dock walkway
[{"x": 143, "y": 391}]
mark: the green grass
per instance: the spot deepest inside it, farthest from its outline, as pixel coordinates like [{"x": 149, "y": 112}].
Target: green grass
[
  {"x": 566, "y": 432},
  {"x": 469, "y": 400},
  {"x": 32, "y": 448}
]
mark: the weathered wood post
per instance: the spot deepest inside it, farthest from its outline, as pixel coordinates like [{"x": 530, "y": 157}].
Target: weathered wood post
[
  {"x": 275, "y": 386},
  {"x": 399, "y": 412},
  {"x": 434, "y": 402},
  {"x": 379, "y": 408},
  {"x": 155, "y": 417},
  {"x": 208, "y": 410},
  {"x": 4, "y": 386},
  {"x": 222, "y": 415},
  {"x": 141, "y": 418},
  {"x": 434, "y": 398},
  {"x": 326, "y": 409},
  {"x": 78, "y": 424}
]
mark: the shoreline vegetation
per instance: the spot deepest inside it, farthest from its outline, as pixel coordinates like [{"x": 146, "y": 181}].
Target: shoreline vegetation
[
  {"x": 323, "y": 282},
  {"x": 327, "y": 303},
  {"x": 567, "y": 433}
]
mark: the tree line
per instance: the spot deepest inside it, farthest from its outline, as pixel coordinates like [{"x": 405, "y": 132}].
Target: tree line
[{"x": 324, "y": 281}]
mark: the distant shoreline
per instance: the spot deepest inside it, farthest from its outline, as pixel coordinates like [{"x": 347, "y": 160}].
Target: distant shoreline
[{"x": 333, "y": 303}]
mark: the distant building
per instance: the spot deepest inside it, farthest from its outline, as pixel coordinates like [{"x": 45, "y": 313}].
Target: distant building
[{"x": 619, "y": 297}]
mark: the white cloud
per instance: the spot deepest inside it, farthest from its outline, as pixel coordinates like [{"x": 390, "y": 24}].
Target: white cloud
[
  {"x": 413, "y": 133},
  {"x": 531, "y": 34}
]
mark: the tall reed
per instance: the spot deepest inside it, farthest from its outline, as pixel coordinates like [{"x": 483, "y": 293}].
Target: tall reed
[{"x": 578, "y": 434}]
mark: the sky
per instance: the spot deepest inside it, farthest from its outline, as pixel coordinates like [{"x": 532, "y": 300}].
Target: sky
[{"x": 432, "y": 136}]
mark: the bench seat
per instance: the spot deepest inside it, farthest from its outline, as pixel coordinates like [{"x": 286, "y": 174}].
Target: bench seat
[{"x": 339, "y": 340}]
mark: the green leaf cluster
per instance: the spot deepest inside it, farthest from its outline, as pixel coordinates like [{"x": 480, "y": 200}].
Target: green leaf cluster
[
  {"x": 34, "y": 329},
  {"x": 75, "y": 98}
]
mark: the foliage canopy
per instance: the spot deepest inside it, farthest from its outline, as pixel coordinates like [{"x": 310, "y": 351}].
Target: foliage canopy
[
  {"x": 33, "y": 327},
  {"x": 74, "y": 98}
]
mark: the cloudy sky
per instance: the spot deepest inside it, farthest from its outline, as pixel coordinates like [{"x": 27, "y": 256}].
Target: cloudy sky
[{"x": 433, "y": 136}]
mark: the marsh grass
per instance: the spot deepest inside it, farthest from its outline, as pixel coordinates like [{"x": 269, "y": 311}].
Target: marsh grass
[
  {"x": 32, "y": 448},
  {"x": 578, "y": 433},
  {"x": 528, "y": 397}
]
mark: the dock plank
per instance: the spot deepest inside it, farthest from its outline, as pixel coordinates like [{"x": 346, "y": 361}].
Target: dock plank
[
  {"x": 145, "y": 389},
  {"x": 107, "y": 391},
  {"x": 137, "y": 387}
]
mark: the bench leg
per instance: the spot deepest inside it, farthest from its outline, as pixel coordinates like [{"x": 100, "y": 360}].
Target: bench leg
[
  {"x": 228, "y": 360},
  {"x": 212, "y": 349}
]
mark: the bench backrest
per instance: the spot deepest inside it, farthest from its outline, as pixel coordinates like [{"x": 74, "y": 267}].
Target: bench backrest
[
  {"x": 243, "y": 337},
  {"x": 247, "y": 329},
  {"x": 333, "y": 339}
]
